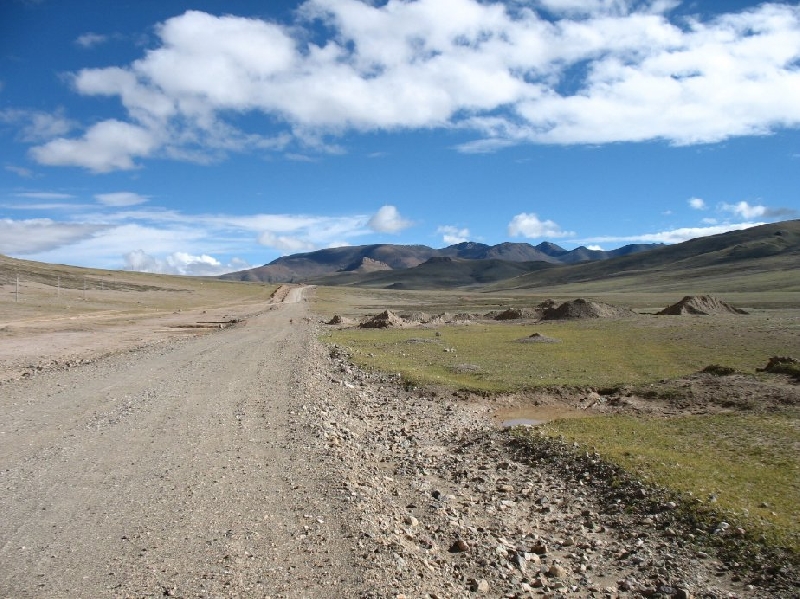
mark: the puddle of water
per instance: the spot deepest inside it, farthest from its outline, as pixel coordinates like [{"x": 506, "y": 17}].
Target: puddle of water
[
  {"x": 535, "y": 415},
  {"x": 521, "y": 422}
]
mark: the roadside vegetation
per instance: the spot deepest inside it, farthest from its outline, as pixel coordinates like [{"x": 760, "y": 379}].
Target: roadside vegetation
[
  {"x": 741, "y": 469},
  {"x": 498, "y": 358},
  {"x": 738, "y": 469}
]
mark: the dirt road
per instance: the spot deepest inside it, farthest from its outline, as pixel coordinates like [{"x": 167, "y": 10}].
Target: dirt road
[{"x": 171, "y": 471}]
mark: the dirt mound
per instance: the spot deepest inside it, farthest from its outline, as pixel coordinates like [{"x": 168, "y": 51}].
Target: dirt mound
[
  {"x": 416, "y": 317},
  {"x": 700, "y": 305},
  {"x": 384, "y": 320},
  {"x": 581, "y": 308},
  {"x": 340, "y": 320},
  {"x": 538, "y": 338},
  {"x": 515, "y": 314}
]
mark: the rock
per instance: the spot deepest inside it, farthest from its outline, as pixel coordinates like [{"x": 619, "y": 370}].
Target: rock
[
  {"x": 460, "y": 546},
  {"x": 540, "y": 548},
  {"x": 557, "y": 571},
  {"x": 478, "y": 586}
]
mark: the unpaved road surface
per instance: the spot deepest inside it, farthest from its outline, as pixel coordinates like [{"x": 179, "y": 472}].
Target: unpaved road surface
[{"x": 170, "y": 471}]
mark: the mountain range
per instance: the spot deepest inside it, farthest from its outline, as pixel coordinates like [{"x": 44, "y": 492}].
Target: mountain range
[
  {"x": 387, "y": 257},
  {"x": 760, "y": 258}
]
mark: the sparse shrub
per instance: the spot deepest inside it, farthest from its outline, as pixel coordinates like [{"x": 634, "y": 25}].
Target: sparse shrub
[
  {"x": 783, "y": 365},
  {"x": 718, "y": 370}
]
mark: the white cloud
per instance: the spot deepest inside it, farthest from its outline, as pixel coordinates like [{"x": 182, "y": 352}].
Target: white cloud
[
  {"x": 529, "y": 225},
  {"x": 595, "y": 248},
  {"x": 388, "y": 220},
  {"x": 181, "y": 263},
  {"x": 744, "y": 210},
  {"x": 88, "y": 40},
  {"x": 36, "y": 126},
  {"x": 22, "y": 171},
  {"x": 594, "y": 71},
  {"x": 120, "y": 199},
  {"x": 31, "y": 236},
  {"x": 100, "y": 236},
  {"x": 585, "y": 7},
  {"x": 285, "y": 243},
  {"x": 673, "y": 235},
  {"x": 106, "y": 146},
  {"x": 697, "y": 204},
  {"x": 452, "y": 235},
  {"x": 44, "y": 195}
]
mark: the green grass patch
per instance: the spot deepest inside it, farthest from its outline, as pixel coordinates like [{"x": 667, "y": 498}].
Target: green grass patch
[
  {"x": 748, "y": 463},
  {"x": 600, "y": 353}
]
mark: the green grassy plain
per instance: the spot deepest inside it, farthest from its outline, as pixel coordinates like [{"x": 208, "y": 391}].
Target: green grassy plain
[
  {"x": 490, "y": 357},
  {"x": 744, "y": 467},
  {"x": 746, "y": 461}
]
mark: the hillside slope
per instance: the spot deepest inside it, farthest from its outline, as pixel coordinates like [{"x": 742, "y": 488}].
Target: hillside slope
[{"x": 763, "y": 257}]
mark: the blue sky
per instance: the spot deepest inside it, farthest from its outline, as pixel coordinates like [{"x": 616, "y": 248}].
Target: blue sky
[{"x": 208, "y": 136}]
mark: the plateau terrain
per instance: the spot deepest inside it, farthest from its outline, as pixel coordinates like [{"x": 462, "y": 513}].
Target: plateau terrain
[{"x": 626, "y": 427}]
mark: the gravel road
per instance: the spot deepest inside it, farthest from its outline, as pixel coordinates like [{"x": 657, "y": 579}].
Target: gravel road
[{"x": 171, "y": 471}]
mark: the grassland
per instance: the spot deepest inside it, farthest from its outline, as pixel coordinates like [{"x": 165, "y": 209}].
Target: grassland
[
  {"x": 491, "y": 357},
  {"x": 741, "y": 467},
  {"x": 32, "y": 290}
]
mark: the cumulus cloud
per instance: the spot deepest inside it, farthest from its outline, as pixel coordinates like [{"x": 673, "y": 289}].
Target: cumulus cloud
[
  {"x": 36, "y": 125},
  {"x": 697, "y": 204},
  {"x": 181, "y": 263},
  {"x": 529, "y": 225},
  {"x": 452, "y": 235},
  {"x": 388, "y": 220},
  {"x": 744, "y": 210},
  {"x": 285, "y": 243},
  {"x": 120, "y": 199},
  {"x": 23, "y": 237},
  {"x": 678, "y": 235},
  {"x": 551, "y": 71},
  {"x": 107, "y": 146},
  {"x": 177, "y": 241}
]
